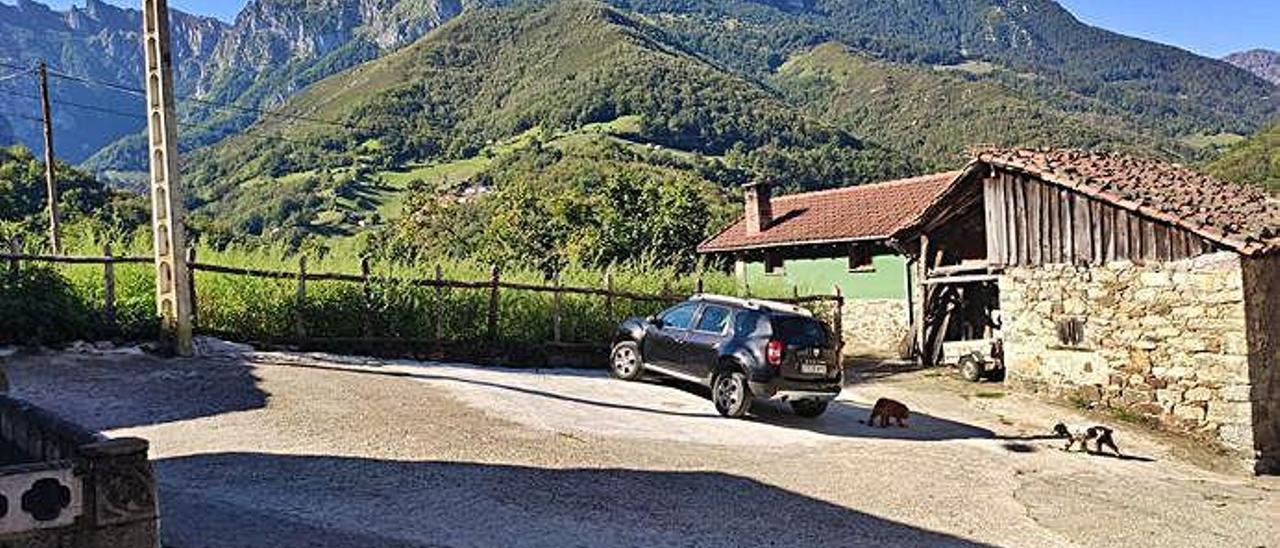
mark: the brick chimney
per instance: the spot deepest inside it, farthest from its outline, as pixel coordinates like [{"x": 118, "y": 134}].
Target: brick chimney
[{"x": 759, "y": 208}]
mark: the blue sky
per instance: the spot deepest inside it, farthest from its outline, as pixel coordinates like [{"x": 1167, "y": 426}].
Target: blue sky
[{"x": 1208, "y": 27}]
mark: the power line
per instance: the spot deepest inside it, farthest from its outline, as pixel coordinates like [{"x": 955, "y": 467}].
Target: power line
[
  {"x": 134, "y": 115},
  {"x": 226, "y": 106}
]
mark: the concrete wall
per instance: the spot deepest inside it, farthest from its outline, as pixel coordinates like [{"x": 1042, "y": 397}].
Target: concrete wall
[
  {"x": 1165, "y": 341},
  {"x": 1262, "y": 311}
]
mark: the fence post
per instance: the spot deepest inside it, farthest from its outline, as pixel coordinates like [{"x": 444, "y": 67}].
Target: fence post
[
  {"x": 556, "y": 307},
  {"x": 493, "y": 303},
  {"x": 439, "y": 307},
  {"x": 191, "y": 286},
  {"x": 15, "y": 247},
  {"x": 700, "y": 283},
  {"x": 367, "y": 291},
  {"x": 108, "y": 287},
  {"x": 299, "y": 318},
  {"x": 838, "y": 321},
  {"x": 608, "y": 294}
]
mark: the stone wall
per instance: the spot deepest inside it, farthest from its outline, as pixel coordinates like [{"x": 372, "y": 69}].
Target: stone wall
[
  {"x": 1262, "y": 311},
  {"x": 1165, "y": 341},
  {"x": 876, "y": 328}
]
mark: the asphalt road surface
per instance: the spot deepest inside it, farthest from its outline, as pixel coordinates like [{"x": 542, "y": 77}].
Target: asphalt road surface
[{"x": 282, "y": 450}]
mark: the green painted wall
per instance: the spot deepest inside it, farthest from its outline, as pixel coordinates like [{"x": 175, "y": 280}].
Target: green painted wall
[{"x": 813, "y": 276}]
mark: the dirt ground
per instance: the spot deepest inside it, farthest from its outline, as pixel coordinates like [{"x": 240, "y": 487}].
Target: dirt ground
[{"x": 290, "y": 449}]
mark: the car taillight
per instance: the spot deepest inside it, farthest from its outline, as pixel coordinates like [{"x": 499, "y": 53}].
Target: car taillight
[{"x": 773, "y": 353}]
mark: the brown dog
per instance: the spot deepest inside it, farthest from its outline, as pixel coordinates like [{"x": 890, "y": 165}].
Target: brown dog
[{"x": 886, "y": 409}]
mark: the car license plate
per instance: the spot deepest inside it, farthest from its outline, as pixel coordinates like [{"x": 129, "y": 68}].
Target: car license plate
[{"x": 813, "y": 368}]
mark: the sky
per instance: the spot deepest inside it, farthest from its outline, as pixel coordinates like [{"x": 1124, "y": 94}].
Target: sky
[{"x": 1208, "y": 27}]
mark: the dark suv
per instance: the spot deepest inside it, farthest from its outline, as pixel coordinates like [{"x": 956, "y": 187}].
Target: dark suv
[{"x": 741, "y": 349}]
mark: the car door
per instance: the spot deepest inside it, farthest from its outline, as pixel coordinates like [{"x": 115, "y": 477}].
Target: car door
[
  {"x": 702, "y": 344},
  {"x": 664, "y": 341}
]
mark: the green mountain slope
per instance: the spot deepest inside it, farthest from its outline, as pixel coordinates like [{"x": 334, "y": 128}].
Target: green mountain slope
[
  {"x": 1046, "y": 50},
  {"x": 494, "y": 74},
  {"x": 1253, "y": 161},
  {"x": 939, "y": 114}
]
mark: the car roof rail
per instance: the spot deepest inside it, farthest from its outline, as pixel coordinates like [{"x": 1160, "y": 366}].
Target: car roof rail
[{"x": 754, "y": 304}]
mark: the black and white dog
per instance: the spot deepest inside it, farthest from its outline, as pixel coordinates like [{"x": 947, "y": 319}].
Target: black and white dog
[{"x": 1084, "y": 434}]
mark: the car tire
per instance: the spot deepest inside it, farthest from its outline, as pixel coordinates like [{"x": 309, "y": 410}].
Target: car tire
[
  {"x": 625, "y": 362},
  {"x": 809, "y": 408},
  {"x": 731, "y": 394},
  {"x": 970, "y": 368}
]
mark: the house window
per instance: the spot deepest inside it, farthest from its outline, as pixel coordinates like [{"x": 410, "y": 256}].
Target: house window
[
  {"x": 773, "y": 263},
  {"x": 1071, "y": 332},
  {"x": 861, "y": 258}
]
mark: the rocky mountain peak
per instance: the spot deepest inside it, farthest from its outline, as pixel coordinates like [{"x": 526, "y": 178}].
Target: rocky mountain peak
[{"x": 1263, "y": 62}]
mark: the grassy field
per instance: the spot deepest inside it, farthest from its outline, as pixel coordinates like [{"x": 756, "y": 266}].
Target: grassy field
[{"x": 50, "y": 305}]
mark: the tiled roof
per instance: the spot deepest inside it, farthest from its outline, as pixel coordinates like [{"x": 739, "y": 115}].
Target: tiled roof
[
  {"x": 865, "y": 212},
  {"x": 1242, "y": 217}
]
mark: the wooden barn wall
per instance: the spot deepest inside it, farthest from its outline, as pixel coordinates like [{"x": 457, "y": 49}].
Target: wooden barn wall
[{"x": 1031, "y": 222}]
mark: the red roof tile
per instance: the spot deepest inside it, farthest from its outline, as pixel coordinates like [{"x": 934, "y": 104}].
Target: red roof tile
[
  {"x": 865, "y": 212},
  {"x": 1242, "y": 217}
]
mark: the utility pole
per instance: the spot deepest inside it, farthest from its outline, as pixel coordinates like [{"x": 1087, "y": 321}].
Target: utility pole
[
  {"x": 173, "y": 278},
  {"x": 51, "y": 183}
]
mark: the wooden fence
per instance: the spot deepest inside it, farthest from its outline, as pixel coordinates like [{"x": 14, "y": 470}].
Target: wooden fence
[{"x": 367, "y": 280}]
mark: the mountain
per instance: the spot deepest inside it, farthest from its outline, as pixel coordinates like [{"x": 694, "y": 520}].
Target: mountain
[
  {"x": 939, "y": 113},
  {"x": 1254, "y": 161},
  {"x": 496, "y": 76},
  {"x": 274, "y": 49},
  {"x": 1043, "y": 49},
  {"x": 1262, "y": 62},
  {"x": 98, "y": 41}
]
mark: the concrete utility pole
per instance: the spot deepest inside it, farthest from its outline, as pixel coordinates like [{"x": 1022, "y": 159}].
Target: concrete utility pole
[
  {"x": 51, "y": 183},
  {"x": 173, "y": 279}
]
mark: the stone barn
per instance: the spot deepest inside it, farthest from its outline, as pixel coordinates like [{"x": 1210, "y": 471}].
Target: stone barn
[{"x": 1117, "y": 282}]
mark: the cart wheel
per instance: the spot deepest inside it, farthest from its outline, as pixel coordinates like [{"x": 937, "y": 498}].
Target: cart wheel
[{"x": 970, "y": 368}]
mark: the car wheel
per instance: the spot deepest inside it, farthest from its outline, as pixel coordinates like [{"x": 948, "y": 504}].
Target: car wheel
[
  {"x": 970, "y": 368},
  {"x": 625, "y": 362},
  {"x": 731, "y": 394},
  {"x": 809, "y": 408}
]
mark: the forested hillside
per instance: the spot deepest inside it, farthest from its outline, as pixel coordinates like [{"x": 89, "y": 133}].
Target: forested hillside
[
  {"x": 494, "y": 75},
  {"x": 86, "y": 204},
  {"x": 1254, "y": 161},
  {"x": 939, "y": 114}
]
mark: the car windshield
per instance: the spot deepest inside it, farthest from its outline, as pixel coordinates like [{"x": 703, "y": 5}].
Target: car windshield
[{"x": 800, "y": 331}]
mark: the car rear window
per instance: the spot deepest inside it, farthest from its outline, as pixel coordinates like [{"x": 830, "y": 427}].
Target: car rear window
[{"x": 800, "y": 331}]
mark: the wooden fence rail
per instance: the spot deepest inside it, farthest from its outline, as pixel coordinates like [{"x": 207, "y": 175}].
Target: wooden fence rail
[{"x": 367, "y": 280}]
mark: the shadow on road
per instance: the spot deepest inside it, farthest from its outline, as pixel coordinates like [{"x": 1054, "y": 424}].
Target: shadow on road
[
  {"x": 109, "y": 391},
  {"x": 252, "y": 499}
]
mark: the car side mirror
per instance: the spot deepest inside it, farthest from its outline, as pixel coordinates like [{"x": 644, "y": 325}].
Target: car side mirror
[{"x": 655, "y": 321}]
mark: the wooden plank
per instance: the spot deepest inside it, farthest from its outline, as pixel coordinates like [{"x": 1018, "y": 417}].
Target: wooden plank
[
  {"x": 1010, "y": 224},
  {"x": 495, "y": 277},
  {"x": 1049, "y": 232},
  {"x": 1137, "y": 253},
  {"x": 989, "y": 215},
  {"x": 1112, "y": 232},
  {"x": 1096, "y": 242},
  {"x": 1122, "y": 234},
  {"x": 108, "y": 288},
  {"x": 1149, "y": 251},
  {"x": 1036, "y": 215},
  {"x": 1079, "y": 229},
  {"x": 1019, "y": 210}
]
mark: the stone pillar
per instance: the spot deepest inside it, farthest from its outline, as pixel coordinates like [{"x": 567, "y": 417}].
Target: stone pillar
[
  {"x": 121, "y": 493},
  {"x": 173, "y": 297}
]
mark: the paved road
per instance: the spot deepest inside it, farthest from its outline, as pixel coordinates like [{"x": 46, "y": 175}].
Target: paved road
[{"x": 278, "y": 449}]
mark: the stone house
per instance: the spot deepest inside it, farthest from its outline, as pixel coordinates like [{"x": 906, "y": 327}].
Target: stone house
[
  {"x": 817, "y": 241},
  {"x": 1117, "y": 282}
]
